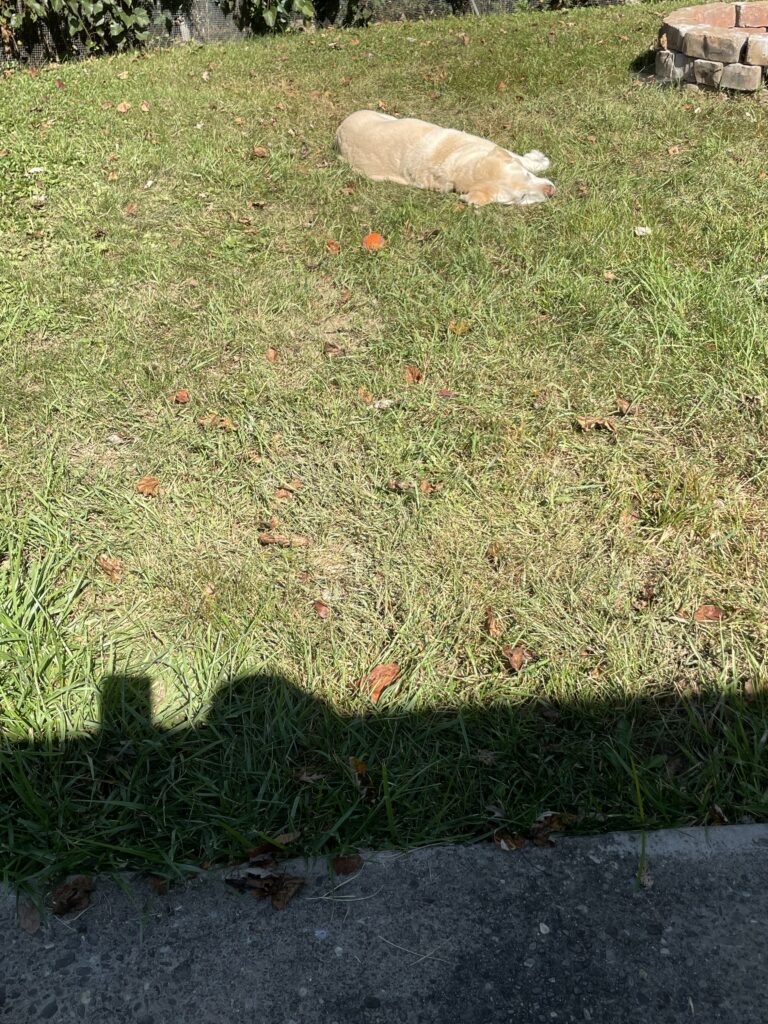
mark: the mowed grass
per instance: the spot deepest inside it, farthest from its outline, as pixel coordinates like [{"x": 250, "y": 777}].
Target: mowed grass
[{"x": 151, "y": 251}]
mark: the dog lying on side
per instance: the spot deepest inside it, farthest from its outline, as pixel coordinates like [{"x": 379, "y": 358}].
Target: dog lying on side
[{"x": 413, "y": 152}]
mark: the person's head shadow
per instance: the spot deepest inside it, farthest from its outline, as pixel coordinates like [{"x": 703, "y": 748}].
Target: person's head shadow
[{"x": 268, "y": 757}]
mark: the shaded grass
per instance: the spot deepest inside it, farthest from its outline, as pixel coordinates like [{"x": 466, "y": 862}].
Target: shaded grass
[{"x": 106, "y": 312}]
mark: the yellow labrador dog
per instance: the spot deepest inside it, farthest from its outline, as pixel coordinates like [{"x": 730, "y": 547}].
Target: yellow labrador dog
[{"x": 413, "y": 152}]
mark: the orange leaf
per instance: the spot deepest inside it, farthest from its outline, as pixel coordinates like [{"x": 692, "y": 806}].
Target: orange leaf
[
  {"x": 321, "y": 608},
  {"x": 180, "y": 398},
  {"x": 708, "y": 613},
  {"x": 259, "y": 152},
  {"x": 494, "y": 627},
  {"x": 149, "y": 486},
  {"x": 59, "y": 84},
  {"x": 458, "y": 327},
  {"x": 412, "y": 375},
  {"x": 113, "y": 567},
  {"x": 374, "y": 241},
  {"x": 333, "y": 247},
  {"x": 214, "y": 421},
  {"x": 272, "y": 355},
  {"x": 625, "y": 408},
  {"x": 131, "y": 209},
  {"x": 365, "y": 395},
  {"x": 595, "y": 423},
  {"x": 378, "y": 679}
]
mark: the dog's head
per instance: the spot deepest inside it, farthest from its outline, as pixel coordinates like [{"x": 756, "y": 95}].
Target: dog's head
[{"x": 502, "y": 178}]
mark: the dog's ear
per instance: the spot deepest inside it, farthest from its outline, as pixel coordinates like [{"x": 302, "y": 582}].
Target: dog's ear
[{"x": 480, "y": 195}]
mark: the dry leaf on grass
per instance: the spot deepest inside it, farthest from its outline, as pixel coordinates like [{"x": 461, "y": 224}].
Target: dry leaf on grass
[
  {"x": 280, "y": 889},
  {"x": 124, "y": 107},
  {"x": 508, "y": 841},
  {"x": 446, "y": 393},
  {"x": 492, "y": 623},
  {"x": 548, "y": 823},
  {"x": 427, "y": 487},
  {"x": 625, "y": 408},
  {"x": 180, "y": 397},
  {"x": 131, "y": 209},
  {"x": 378, "y": 679},
  {"x": 215, "y": 422},
  {"x": 112, "y": 567},
  {"x": 708, "y": 613},
  {"x": 518, "y": 656},
  {"x": 412, "y": 375},
  {"x": 159, "y": 885},
  {"x": 59, "y": 84},
  {"x": 401, "y": 486},
  {"x": 458, "y": 327},
  {"x": 585, "y": 423},
  {"x": 149, "y": 486},
  {"x": 365, "y": 395},
  {"x": 259, "y": 152},
  {"x": 494, "y": 553},
  {"x": 272, "y": 355},
  {"x": 332, "y": 350},
  {"x": 144, "y": 108},
  {"x": 642, "y": 232},
  {"x": 332, "y": 246},
  {"x": 282, "y": 540},
  {"x": 73, "y": 895},
  {"x": 321, "y": 609},
  {"x": 363, "y": 780},
  {"x": 347, "y": 864}
]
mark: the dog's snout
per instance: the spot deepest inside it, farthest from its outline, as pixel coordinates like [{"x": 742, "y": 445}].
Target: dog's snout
[{"x": 549, "y": 190}]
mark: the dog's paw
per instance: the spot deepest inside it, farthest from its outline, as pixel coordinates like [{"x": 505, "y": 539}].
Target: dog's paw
[{"x": 535, "y": 161}]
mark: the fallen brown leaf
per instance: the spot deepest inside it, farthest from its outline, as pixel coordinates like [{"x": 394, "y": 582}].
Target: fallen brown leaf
[
  {"x": 708, "y": 613},
  {"x": 401, "y": 486},
  {"x": 608, "y": 275},
  {"x": 412, "y": 374},
  {"x": 644, "y": 597},
  {"x": 280, "y": 889},
  {"x": 494, "y": 553},
  {"x": 131, "y": 209},
  {"x": 321, "y": 609},
  {"x": 59, "y": 84},
  {"x": 492, "y": 623},
  {"x": 73, "y": 895},
  {"x": 149, "y": 486},
  {"x": 112, "y": 567},
  {"x": 215, "y": 422},
  {"x": 446, "y": 393},
  {"x": 144, "y": 108},
  {"x": 508, "y": 841},
  {"x": 122, "y": 76},
  {"x": 458, "y": 327},
  {"x": 282, "y": 540},
  {"x": 501, "y": 87},
  {"x": 625, "y": 408},
  {"x": 124, "y": 107},
  {"x": 546, "y": 824},
  {"x": 365, "y": 395},
  {"x": 333, "y": 246},
  {"x": 517, "y": 656},
  {"x": 595, "y": 423},
  {"x": 159, "y": 885},
  {"x": 427, "y": 487},
  {"x": 674, "y": 150},
  {"x": 180, "y": 397},
  {"x": 332, "y": 350},
  {"x": 347, "y": 864},
  {"x": 378, "y": 679},
  {"x": 272, "y": 355},
  {"x": 259, "y": 152}
]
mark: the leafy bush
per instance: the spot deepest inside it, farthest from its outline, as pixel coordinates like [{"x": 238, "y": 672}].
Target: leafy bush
[{"x": 97, "y": 26}]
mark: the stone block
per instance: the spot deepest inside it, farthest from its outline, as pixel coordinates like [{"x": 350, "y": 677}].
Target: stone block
[
  {"x": 757, "y": 50},
  {"x": 707, "y": 72},
  {"x": 670, "y": 67},
  {"x": 712, "y": 44},
  {"x": 753, "y": 15},
  {"x": 689, "y": 74},
  {"x": 675, "y": 34},
  {"x": 744, "y": 77}
]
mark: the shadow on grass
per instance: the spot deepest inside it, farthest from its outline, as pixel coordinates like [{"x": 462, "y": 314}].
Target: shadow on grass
[
  {"x": 270, "y": 758},
  {"x": 644, "y": 63}
]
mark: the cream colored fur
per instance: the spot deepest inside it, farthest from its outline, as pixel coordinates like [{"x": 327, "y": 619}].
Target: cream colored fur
[{"x": 417, "y": 153}]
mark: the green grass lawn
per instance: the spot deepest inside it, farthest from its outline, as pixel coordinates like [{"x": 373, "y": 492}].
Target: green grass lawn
[{"x": 152, "y": 252}]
